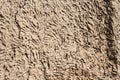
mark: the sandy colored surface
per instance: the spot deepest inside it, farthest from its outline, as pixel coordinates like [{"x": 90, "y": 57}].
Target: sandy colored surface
[{"x": 59, "y": 39}]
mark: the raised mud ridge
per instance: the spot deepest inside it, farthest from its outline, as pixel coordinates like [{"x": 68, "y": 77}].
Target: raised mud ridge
[{"x": 110, "y": 36}]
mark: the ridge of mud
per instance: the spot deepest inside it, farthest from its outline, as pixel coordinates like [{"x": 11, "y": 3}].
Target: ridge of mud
[{"x": 111, "y": 49}]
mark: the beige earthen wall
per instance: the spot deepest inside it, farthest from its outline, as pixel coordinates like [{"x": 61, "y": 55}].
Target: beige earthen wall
[{"x": 59, "y": 39}]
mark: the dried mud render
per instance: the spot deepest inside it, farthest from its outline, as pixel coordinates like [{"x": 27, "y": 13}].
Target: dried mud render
[{"x": 59, "y": 40}]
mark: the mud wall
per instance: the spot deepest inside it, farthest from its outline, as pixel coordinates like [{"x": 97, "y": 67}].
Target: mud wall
[{"x": 59, "y": 39}]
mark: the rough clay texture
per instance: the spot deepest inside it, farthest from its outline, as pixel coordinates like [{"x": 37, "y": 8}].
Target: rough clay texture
[{"x": 59, "y": 39}]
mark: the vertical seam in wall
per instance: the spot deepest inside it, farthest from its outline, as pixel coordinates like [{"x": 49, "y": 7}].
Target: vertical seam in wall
[{"x": 111, "y": 49}]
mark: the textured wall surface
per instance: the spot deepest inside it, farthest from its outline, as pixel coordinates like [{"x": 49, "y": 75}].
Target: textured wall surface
[{"x": 59, "y": 39}]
